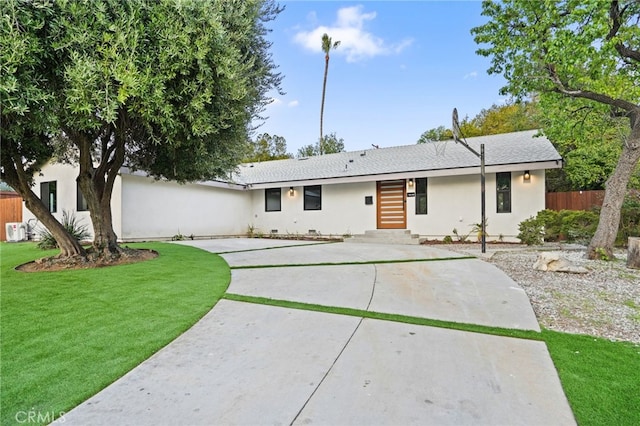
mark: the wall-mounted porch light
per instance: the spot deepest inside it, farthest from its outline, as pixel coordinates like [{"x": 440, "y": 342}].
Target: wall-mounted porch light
[
  {"x": 411, "y": 183},
  {"x": 291, "y": 191},
  {"x": 527, "y": 176}
]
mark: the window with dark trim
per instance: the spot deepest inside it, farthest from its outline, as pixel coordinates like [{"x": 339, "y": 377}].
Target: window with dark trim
[
  {"x": 49, "y": 195},
  {"x": 272, "y": 199},
  {"x": 503, "y": 192},
  {"x": 81, "y": 202},
  {"x": 313, "y": 197},
  {"x": 421, "y": 196}
]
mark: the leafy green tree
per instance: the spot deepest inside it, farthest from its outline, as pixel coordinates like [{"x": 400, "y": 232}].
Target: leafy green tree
[
  {"x": 27, "y": 113},
  {"x": 512, "y": 117},
  {"x": 169, "y": 87},
  {"x": 327, "y": 45},
  {"x": 576, "y": 49},
  {"x": 308, "y": 151},
  {"x": 588, "y": 138},
  {"x": 439, "y": 133},
  {"x": 266, "y": 148},
  {"x": 331, "y": 143}
]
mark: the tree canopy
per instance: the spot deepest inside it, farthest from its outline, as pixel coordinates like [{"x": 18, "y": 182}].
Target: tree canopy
[
  {"x": 512, "y": 117},
  {"x": 266, "y": 148},
  {"x": 585, "y": 50},
  {"x": 166, "y": 87},
  {"x": 330, "y": 144}
]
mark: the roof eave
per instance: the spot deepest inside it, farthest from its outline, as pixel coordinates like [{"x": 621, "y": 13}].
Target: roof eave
[{"x": 461, "y": 171}]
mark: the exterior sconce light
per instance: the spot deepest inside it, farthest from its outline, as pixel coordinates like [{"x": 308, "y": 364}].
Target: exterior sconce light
[
  {"x": 291, "y": 192},
  {"x": 527, "y": 176},
  {"x": 411, "y": 183}
]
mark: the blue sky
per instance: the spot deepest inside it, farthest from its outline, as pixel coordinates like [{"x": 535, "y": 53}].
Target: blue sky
[{"x": 401, "y": 68}]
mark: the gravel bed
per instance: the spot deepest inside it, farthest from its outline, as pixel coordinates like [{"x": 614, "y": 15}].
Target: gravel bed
[{"x": 604, "y": 302}]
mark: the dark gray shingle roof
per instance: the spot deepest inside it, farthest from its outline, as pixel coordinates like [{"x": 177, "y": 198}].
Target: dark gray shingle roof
[{"x": 509, "y": 148}]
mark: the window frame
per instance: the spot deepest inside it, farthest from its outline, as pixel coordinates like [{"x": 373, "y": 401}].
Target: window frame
[
  {"x": 503, "y": 194},
  {"x": 306, "y": 193},
  {"x": 45, "y": 195},
  {"x": 273, "y": 191},
  {"x": 421, "y": 195}
]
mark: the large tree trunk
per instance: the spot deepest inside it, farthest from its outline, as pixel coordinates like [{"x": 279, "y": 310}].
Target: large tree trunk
[
  {"x": 68, "y": 245},
  {"x": 615, "y": 190},
  {"x": 96, "y": 184},
  {"x": 18, "y": 179},
  {"x": 105, "y": 240}
]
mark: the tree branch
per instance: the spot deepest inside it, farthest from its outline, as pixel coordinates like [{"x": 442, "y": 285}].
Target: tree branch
[
  {"x": 563, "y": 88},
  {"x": 616, "y": 18}
]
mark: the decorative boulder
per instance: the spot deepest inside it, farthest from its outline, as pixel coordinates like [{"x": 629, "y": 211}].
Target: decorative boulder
[{"x": 554, "y": 262}]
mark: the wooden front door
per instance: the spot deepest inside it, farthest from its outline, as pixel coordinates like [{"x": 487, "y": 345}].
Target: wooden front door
[{"x": 392, "y": 211}]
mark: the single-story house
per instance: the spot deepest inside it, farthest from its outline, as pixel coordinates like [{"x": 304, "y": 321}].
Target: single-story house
[{"x": 430, "y": 189}]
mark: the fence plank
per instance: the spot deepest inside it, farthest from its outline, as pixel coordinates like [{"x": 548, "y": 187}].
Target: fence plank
[
  {"x": 573, "y": 200},
  {"x": 10, "y": 211}
]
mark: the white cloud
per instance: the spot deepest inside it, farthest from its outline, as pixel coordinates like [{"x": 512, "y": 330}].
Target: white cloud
[
  {"x": 293, "y": 104},
  {"x": 355, "y": 42},
  {"x": 472, "y": 74}
]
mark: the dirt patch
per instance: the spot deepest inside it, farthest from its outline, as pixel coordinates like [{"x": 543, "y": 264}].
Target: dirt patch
[{"x": 50, "y": 264}]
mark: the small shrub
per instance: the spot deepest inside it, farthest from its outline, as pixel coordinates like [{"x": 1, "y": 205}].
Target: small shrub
[
  {"x": 578, "y": 225},
  {"x": 602, "y": 254},
  {"x": 460, "y": 237},
  {"x": 477, "y": 228},
  {"x": 69, "y": 221},
  {"x": 629, "y": 220},
  {"x": 447, "y": 239},
  {"x": 531, "y": 231},
  {"x": 551, "y": 223}
]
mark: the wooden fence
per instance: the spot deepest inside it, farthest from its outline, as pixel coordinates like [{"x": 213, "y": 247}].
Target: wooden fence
[
  {"x": 10, "y": 211},
  {"x": 574, "y": 200}
]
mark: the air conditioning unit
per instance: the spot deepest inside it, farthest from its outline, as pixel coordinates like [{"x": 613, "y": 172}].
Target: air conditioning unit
[{"x": 16, "y": 231}]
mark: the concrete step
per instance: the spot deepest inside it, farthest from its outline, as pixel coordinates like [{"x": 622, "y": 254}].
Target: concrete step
[
  {"x": 359, "y": 239},
  {"x": 386, "y": 236},
  {"x": 383, "y": 233}
]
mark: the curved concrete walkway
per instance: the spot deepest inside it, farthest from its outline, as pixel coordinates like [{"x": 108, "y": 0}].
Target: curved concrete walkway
[{"x": 253, "y": 364}]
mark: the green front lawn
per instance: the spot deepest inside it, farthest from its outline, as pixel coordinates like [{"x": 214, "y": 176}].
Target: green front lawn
[
  {"x": 66, "y": 335},
  {"x": 600, "y": 378}
]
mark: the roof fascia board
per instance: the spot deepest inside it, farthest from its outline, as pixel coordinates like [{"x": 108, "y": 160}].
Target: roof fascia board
[
  {"x": 556, "y": 164},
  {"x": 211, "y": 183}
]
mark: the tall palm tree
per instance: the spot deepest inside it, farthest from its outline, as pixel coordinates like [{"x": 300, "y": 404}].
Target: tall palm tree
[{"x": 327, "y": 45}]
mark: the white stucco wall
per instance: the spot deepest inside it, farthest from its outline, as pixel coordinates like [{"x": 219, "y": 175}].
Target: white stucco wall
[
  {"x": 146, "y": 209},
  {"x": 65, "y": 177},
  {"x": 454, "y": 202},
  {"x": 159, "y": 209},
  {"x": 343, "y": 211}
]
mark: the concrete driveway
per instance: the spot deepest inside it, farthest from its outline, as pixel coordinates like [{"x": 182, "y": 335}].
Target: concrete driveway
[{"x": 254, "y": 364}]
